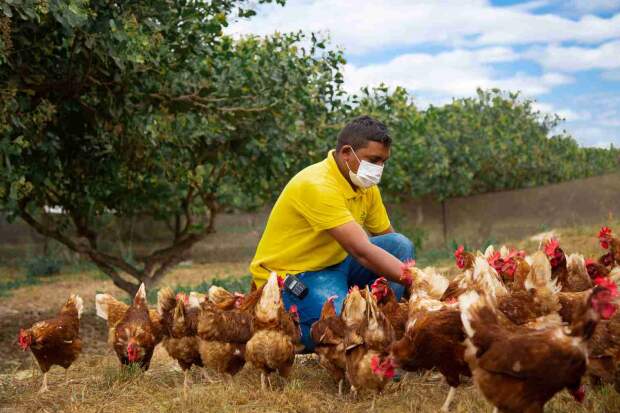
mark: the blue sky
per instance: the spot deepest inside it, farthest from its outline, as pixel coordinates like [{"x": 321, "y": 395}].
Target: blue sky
[{"x": 564, "y": 54}]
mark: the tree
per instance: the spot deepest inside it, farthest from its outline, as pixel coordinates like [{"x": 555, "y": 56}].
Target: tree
[{"x": 146, "y": 109}]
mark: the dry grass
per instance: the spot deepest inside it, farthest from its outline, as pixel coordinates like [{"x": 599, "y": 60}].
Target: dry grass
[{"x": 98, "y": 383}]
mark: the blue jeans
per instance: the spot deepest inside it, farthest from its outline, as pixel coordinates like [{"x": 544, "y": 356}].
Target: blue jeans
[{"x": 337, "y": 279}]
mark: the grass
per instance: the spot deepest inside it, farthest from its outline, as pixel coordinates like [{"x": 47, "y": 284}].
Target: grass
[{"x": 98, "y": 383}]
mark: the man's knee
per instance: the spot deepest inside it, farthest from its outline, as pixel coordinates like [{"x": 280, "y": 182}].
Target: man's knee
[{"x": 397, "y": 244}]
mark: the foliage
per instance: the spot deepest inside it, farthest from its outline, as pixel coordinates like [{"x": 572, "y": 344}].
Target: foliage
[
  {"x": 43, "y": 265},
  {"x": 494, "y": 141},
  {"x": 138, "y": 109}
]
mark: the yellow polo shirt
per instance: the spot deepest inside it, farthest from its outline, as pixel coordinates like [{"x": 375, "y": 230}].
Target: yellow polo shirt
[{"x": 318, "y": 198}]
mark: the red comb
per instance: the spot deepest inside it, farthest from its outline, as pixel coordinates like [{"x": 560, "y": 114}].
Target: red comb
[
  {"x": 590, "y": 261},
  {"x": 293, "y": 309},
  {"x": 551, "y": 246},
  {"x": 607, "y": 283},
  {"x": 377, "y": 283},
  {"x": 280, "y": 282},
  {"x": 332, "y": 298},
  {"x": 459, "y": 251},
  {"x": 604, "y": 237}
]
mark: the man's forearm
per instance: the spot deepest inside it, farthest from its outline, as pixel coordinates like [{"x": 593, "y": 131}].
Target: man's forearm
[{"x": 380, "y": 262}]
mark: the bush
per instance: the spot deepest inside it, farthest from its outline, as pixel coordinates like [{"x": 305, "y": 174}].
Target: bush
[{"x": 43, "y": 265}]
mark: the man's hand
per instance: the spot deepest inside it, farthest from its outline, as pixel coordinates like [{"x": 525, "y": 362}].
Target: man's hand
[{"x": 354, "y": 240}]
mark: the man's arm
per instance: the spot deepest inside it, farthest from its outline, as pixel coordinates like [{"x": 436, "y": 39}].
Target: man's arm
[
  {"x": 354, "y": 240},
  {"x": 387, "y": 231}
]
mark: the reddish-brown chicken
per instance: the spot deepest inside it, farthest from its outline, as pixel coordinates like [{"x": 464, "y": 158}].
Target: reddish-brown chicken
[
  {"x": 55, "y": 341},
  {"x": 433, "y": 339},
  {"x": 506, "y": 262},
  {"x": 179, "y": 320},
  {"x": 519, "y": 370},
  {"x": 368, "y": 363},
  {"x": 134, "y": 330},
  {"x": 537, "y": 298},
  {"x": 395, "y": 311},
  {"x": 571, "y": 273},
  {"x": 276, "y": 333},
  {"x": 612, "y": 244},
  {"x": 328, "y": 335},
  {"x": 224, "y": 333}
]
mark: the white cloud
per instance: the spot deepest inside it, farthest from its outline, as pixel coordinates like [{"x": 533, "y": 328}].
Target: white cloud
[
  {"x": 454, "y": 73},
  {"x": 363, "y": 26},
  {"x": 574, "y": 59},
  {"x": 565, "y": 113}
]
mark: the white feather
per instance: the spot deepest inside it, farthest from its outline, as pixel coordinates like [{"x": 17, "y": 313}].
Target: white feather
[
  {"x": 466, "y": 301},
  {"x": 101, "y": 305},
  {"x": 504, "y": 251},
  {"x": 141, "y": 292},
  {"x": 79, "y": 304},
  {"x": 194, "y": 300},
  {"x": 488, "y": 253}
]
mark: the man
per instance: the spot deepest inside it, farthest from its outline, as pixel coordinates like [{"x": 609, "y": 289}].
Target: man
[{"x": 316, "y": 229}]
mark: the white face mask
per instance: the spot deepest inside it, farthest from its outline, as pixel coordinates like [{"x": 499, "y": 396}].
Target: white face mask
[{"x": 368, "y": 174}]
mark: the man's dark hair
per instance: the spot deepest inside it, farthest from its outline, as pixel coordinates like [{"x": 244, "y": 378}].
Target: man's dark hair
[{"x": 362, "y": 129}]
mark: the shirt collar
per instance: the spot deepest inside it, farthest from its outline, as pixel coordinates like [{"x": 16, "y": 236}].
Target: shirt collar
[{"x": 344, "y": 185}]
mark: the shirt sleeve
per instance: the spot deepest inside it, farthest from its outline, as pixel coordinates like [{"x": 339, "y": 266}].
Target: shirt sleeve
[
  {"x": 377, "y": 220},
  {"x": 323, "y": 207}
]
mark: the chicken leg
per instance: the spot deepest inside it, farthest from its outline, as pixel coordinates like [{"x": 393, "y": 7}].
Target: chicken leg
[
  {"x": 185, "y": 383},
  {"x": 340, "y": 386},
  {"x": 495, "y": 410},
  {"x": 263, "y": 385},
  {"x": 44, "y": 385},
  {"x": 446, "y": 404}
]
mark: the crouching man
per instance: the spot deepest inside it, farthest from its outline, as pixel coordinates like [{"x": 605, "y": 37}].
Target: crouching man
[{"x": 319, "y": 227}]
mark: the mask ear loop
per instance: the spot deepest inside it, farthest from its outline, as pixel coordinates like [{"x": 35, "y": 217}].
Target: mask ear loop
[{"x": 354, "y": 154}]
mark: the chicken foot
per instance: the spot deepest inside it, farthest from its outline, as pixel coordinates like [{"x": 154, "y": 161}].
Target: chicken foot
[
  {"x": 446, "y": 404},
  {"x": 44, "y": 385}
]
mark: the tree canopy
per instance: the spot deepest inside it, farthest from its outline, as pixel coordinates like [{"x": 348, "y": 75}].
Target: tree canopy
[
  {"x": 139, "y": 108},
  {"x": 147, "y": 109}
]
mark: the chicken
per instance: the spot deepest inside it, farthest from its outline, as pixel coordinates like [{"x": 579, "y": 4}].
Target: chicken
[
  {"x": 481, "y": 277},
  {"x": 55, "y": 341},
  {"x": 276, "y": 333},
  {"x": 224, "y": 333},
  {"x": 520, "y": 370},
  {"x": 596, "y": 269},
  {"x": 429, "y": 280},
  {"x": 368, "y": 363},
  {"x": 179, "y": 320},
  {"x": 537, "y": 298},
  {"x": 328, "y": 335},
  {"x": 433, "y": 339},
  {"x": 396, "y": 312},
  {"x": 611, "y": 243},
  {"x": 506, "y": 263},
  {"x": 224, "y": 299},
  {"x": 570, "y": 272},
  {"x": 604, "y": 347},
  {"x": 134, "y": 330}
]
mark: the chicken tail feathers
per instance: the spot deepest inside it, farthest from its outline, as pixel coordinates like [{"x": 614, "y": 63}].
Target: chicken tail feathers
[
  {"x": 101, "y": 305},
  {"x": 166, "y": 301},
  {"x": 109, "y": 308},
  {"x": 476, "y": 311},
  {"x": 140, "y": 298},
  {"x": 74, "y": 305}
]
